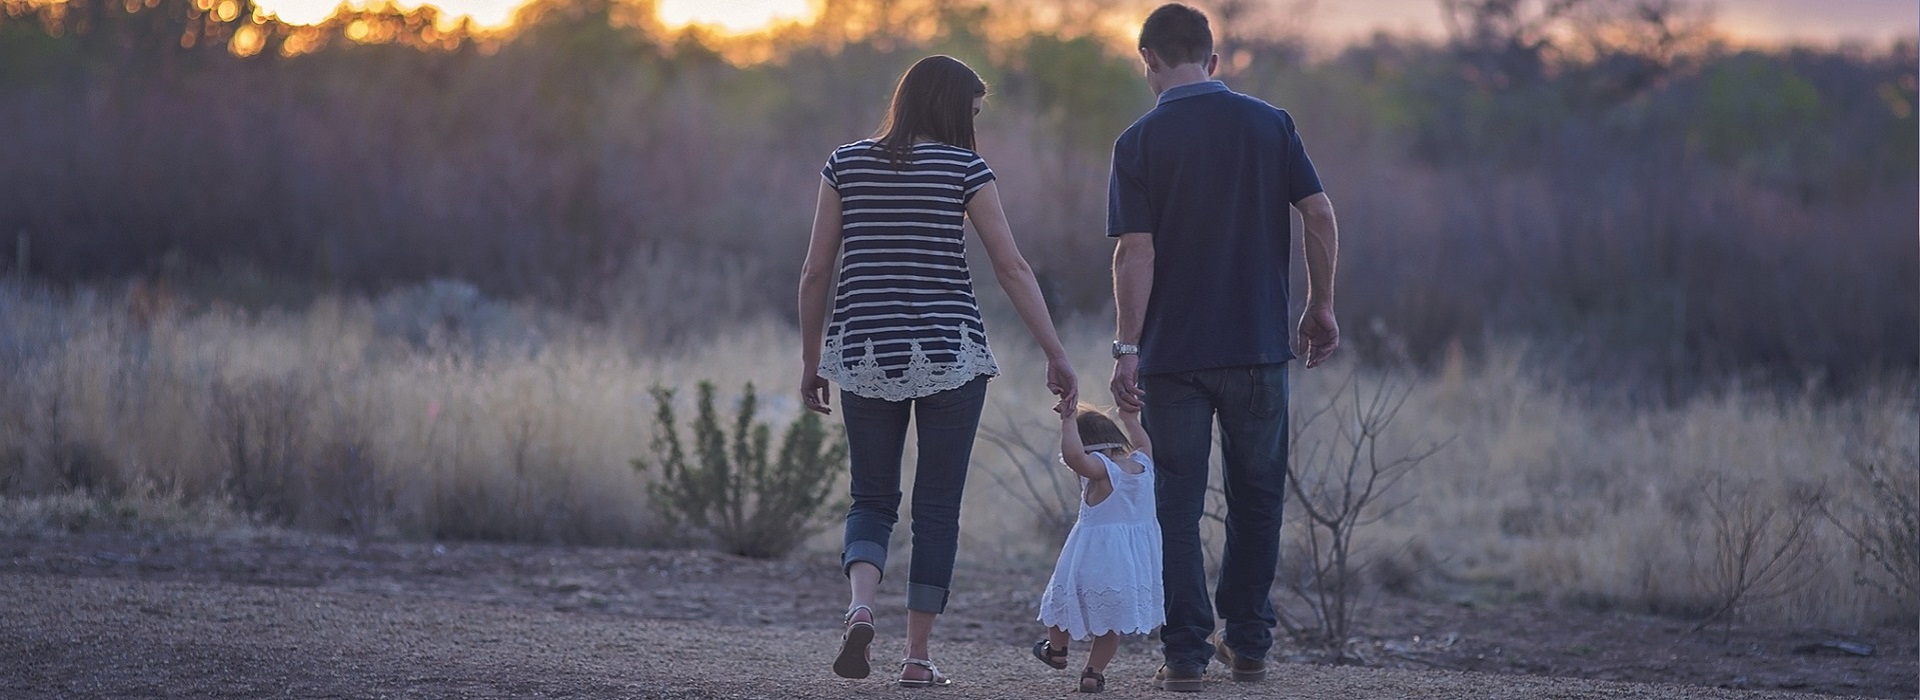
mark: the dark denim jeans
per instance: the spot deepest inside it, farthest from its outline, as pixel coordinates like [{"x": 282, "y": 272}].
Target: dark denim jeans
[
  {"x": 1250, "y": 404},
  {"x": 876, "y": 438}
]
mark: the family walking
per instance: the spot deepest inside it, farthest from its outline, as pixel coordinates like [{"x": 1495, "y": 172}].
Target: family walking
[{"x": 1200, "y": 201}]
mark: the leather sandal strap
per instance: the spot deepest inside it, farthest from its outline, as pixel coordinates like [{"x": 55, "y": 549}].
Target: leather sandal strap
[
  {"x": 1099, "y": 679},
  {"x": 857, "y": 608}
]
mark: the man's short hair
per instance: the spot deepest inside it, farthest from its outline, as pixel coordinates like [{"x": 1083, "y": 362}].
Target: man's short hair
[{"x": 1178, "y": 34}]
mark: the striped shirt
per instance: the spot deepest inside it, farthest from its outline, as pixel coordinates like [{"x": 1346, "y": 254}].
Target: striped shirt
[{"x": 905, "y": 322}]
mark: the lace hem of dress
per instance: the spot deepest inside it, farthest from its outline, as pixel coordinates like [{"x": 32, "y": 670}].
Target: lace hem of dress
[
  {"x": 921, "y": 377},
  {"x": 1129, "y": 609}
]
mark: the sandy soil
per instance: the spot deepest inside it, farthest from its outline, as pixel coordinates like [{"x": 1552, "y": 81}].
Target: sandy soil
[{"x": 128, "y": 616}]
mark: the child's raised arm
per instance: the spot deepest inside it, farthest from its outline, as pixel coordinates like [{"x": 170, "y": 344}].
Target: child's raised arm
[
  {"x": 1136, "y": 433},
  {"x": 1074, "y": 452}
]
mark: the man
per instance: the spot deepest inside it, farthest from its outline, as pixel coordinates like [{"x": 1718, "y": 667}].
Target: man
[{"x": 1199, "y": 200}]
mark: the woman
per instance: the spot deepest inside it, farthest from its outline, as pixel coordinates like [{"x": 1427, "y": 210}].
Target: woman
[{"x": 906, "y": 339}]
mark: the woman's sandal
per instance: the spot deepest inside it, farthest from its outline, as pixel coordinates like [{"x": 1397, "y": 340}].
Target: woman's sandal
[
  {"x": 1043, "y": 650},
  {"x": 934, "y": 679},
  {"x": 856, "y": 652},
  {"x": 1099, "y": 681}
]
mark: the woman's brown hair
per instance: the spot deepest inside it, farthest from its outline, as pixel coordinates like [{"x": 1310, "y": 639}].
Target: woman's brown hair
[{"x": 933, "y": 101}]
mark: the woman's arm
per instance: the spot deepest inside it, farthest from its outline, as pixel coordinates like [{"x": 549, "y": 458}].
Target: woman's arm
[
  {"x": 1074, "y": 452},
  {"x": 816, "y": 281},
  {"x": 1016, "y": 277}
]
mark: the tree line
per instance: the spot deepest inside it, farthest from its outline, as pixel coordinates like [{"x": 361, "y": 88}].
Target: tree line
[{"x": 1609, "y": 179}]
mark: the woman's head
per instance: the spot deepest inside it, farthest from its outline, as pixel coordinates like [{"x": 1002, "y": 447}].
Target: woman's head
[
  {"x": 1096, "y": 429},
  {"x": 936, "y": 100}
]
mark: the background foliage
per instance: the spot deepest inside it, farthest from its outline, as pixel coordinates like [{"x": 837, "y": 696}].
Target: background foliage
[{"x": 1604, "y": 177}]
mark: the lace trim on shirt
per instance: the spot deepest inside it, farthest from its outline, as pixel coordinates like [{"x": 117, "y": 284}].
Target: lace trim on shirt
[{"x": 921, "y": 377}]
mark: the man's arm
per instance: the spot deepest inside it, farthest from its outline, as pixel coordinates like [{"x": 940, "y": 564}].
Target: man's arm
[
  {"x": 1319, "y": 332},
  {"x": 1132, "y": 285}
]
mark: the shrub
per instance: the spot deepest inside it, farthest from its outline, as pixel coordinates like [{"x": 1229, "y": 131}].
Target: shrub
[
  {"x": 730, "y": 491},
  {"x": 1763, "y": 544},
  {"x": 1885, "y": 527},
  {"x": 261, "y": 427},
  {"x": 1340, "y": 480}
]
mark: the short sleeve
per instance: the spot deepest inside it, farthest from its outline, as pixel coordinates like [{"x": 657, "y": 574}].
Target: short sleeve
[
  {"x": 827, "y": 171},
  {"x": 1128, "y": 209},
  {"x": 978, "y": 175},
  {"x": 1302, "y": 180}
]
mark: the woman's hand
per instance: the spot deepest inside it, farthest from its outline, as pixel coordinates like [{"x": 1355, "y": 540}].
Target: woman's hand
[
  {"x": 813, "y": 391},
  {"x": 1062, "y": 383}
]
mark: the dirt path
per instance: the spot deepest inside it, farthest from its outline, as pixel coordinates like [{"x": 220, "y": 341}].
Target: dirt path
[{"x": 123, "y": 617}]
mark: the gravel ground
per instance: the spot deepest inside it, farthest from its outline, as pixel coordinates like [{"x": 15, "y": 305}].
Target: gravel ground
[{"x": 133, "y": 617}]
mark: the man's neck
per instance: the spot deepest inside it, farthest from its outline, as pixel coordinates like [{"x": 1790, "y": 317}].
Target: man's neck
[{"x": 1183, "y": 74}]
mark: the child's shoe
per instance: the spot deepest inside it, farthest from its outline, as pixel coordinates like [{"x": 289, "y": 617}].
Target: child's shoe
[
  {"x": 1092, "y": 681},
  {"x": 1043, "y": 650}
]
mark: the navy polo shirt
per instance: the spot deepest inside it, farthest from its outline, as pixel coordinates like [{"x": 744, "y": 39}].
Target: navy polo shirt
[{"x": 1212, "y": 174}]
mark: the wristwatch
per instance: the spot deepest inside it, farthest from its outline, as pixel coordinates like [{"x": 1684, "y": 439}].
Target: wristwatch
[{"x": 1120, "y": 348}]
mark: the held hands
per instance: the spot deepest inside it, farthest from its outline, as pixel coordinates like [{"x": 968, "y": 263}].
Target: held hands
[
  {"x": 1319, "y": 335},
  {"x": 1061, "y": 382}
]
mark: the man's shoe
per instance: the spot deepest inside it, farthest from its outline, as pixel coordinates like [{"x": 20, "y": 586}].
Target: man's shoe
[
  {"x": 1244, "y": 670},
  {"x": 1177, "y": 681}
]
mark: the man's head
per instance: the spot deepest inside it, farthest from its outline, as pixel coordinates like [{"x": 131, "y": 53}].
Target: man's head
[{"x": 1175, "y": 36}]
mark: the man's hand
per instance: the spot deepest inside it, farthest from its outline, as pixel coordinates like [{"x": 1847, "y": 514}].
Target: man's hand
[
  {"x": 1126, "y": 384},
  {"x": 1319, "y": 335}
]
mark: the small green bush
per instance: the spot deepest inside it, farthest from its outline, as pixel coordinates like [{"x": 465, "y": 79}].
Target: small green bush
[{"x": 730, "y": 491}]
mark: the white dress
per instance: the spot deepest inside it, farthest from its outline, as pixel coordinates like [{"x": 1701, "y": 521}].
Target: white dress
[{"x": 1108, "y": 576}]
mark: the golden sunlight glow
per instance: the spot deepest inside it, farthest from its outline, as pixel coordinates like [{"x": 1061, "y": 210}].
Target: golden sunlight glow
[
  {"x": 724, "y": 16},
  {"x": 1334, "y": 23},
  {"x": 247, "y": 41},
  {"x": 733, "y": 16},
  {"x": 485, "y": 13}
]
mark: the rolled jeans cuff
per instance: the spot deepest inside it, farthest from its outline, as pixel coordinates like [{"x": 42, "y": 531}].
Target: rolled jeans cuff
[
  {"x": 925, "y": 598},
  {"x": 862, "y": 550}
]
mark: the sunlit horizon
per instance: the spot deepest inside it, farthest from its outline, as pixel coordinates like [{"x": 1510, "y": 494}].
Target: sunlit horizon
[
  {"x": 725, "y": 16},
  {"x": 1758, "y": 21}
]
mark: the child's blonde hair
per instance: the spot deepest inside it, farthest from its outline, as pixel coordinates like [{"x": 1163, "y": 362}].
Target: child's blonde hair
[{"x": 1096, "y": 428}]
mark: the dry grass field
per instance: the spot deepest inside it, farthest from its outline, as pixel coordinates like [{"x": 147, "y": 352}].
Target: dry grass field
[{"x": 441, "y": 415}]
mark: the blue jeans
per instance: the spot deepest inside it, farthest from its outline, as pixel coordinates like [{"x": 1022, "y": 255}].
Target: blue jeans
[
  {"x": 1250, "y": 404},
  {"x": 876, "y": 438}
]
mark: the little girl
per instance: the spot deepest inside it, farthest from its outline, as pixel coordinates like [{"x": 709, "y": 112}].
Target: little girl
[{"x": 1107, "y": 582}]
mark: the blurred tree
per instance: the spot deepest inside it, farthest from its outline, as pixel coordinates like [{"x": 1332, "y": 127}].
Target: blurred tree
[{"x": 1593, "y": 173}]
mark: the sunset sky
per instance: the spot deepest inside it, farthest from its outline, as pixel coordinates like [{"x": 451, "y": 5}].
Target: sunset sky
[{"x": 1766, "y": 21}]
